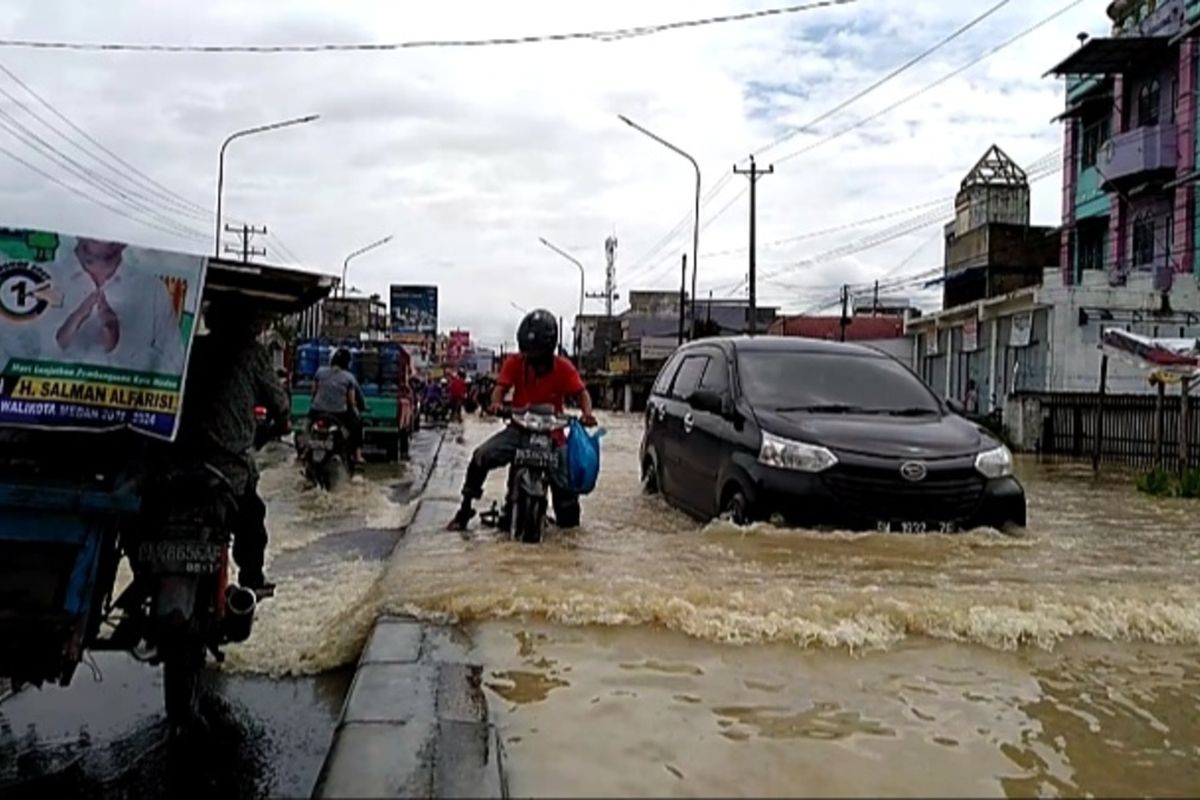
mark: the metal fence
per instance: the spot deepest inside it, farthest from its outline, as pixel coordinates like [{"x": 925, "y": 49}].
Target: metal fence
[{"x": 1134, "y": 432}]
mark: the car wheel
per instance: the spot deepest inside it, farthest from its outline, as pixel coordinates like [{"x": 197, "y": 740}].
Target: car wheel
[
  {"x": 650, "y": 481},
  {"x": 735, "y": 508}
]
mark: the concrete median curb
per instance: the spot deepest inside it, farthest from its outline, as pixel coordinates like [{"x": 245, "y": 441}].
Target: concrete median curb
[{"x": 415, "y": 722}]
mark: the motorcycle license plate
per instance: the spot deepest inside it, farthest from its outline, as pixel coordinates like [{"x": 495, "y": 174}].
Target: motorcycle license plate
[
  {"x": 174, "y": 557},
  {"x": 916, "y": 527},
  {"x": 538, "y": 459},
  {"x": 320, "y": 444}
]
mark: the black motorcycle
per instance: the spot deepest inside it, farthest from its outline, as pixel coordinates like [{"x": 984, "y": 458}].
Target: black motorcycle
[
  {"x": 537, "y": 460},
  {"x": 325, "y": 453},
  {"x": 436, "y": 411}
]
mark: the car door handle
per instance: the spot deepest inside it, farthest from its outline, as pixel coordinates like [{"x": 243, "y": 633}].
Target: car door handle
[{"x": 689, "y": 422}]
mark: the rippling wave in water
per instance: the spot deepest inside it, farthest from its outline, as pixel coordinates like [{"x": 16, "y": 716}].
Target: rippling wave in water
[{"x": 1098, "y": 560}]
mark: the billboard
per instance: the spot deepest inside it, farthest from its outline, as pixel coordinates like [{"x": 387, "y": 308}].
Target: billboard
[
  {"x": 414, "y": 310},
  {"x": 94, "y": 335},
  {"x": 457, "y": 346}
]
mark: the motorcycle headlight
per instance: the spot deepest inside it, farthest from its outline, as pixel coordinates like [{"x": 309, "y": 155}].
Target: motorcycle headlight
[
  {"x": 786, "y": 454},
  {"x": 995, "y": 463}
]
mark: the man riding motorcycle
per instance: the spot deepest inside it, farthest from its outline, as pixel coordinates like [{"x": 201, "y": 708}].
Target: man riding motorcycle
[
  {"x": 336, "y": 394},
  {"x": 537, "y": 376}
]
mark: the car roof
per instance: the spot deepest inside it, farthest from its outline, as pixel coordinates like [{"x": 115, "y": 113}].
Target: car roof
[{"x": 785, "y": 344}]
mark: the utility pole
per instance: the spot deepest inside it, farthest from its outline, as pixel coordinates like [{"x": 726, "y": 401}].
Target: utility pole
[
  {"x": 845, "y": 309},
  {"x": 244, "y": 249},
  {"x": 754, "y": 173}
]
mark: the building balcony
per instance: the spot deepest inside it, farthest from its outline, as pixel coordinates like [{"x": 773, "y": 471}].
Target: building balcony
[
  {"x": 1141, "y": 154},
  {"x": 1148, "y": 17}
]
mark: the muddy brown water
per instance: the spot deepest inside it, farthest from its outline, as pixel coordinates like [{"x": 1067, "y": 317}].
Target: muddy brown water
[{"x": 646, "y": 654}]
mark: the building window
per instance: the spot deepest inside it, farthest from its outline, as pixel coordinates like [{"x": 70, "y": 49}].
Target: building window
[
  {"x": 1143, "y": 241},
  {"x": 1091, "y": 249},
  {"x": 1094, "y": 135},
  {"x": 1148, "y": 103}
]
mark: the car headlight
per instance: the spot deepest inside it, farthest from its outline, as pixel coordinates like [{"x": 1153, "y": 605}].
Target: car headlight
[
  {"x": 996, "y": 463},
  {"x": 787, "y": 454}
]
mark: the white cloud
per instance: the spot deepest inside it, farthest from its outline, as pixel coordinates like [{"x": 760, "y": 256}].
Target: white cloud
[{"x": 469, "y": 156}]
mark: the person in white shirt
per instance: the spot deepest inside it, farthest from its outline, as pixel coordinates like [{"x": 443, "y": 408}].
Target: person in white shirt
[{"x": 115, "y": 316}]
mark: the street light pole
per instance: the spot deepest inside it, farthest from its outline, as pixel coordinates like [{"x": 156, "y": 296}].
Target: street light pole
[
  {"x": 221, "y": 162},
  {"x": 574, "y": 261},
  {"x": 696, "y": 217},
  {"x": 357, "y": 253}
]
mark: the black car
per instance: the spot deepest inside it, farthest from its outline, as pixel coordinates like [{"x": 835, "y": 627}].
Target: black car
[{"x": 822, "y": 434}]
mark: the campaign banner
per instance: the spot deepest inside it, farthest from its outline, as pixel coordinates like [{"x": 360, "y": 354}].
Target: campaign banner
[
  {"x": 414, "y": 310},
  {"x": 94, "y": 335},
  {"x": 457, "y": 346}
]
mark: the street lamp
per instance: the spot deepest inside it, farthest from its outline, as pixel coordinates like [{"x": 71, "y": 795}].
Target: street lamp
[
  {"x": 221, "y": 160},
  {"x": 579, "y": 264},
  {"x": 696, "y": 218},
  {"x": 359, "y": 252},
  {"x": 574, "y": 261}
]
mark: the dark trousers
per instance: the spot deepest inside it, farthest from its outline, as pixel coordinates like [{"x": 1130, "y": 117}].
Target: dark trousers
[
  {"x": 250, "y": 531},
  {"x": 499, "y": 451}
]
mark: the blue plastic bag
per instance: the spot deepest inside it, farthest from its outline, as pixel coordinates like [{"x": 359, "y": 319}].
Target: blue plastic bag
[{"x": 583, "y": 458}]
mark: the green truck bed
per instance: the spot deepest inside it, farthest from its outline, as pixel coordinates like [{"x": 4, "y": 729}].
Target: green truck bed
[{"x": 380, "y": 419}]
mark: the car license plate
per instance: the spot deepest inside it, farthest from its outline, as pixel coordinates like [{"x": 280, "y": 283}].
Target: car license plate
[
  {"x": 538, "y": 459},
  {"x": 175, "y": 557},
  {"x": 916, "y": 527}
]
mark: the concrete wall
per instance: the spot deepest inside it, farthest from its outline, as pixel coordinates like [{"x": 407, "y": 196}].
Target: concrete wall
[{"x": 1076, "y": 358}]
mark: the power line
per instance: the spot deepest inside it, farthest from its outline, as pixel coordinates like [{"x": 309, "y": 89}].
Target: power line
[
  {"x": 84, "y": 195},
  {"x": 147, "y": 184},
  {"x": 81, "y": 172},
  {"x": 149, "y": 192},
  {"x": 948, "y": 76},
  {"x": 899, "y": 70},
  {"x": 929, "y": 87},
  {"x": 840, "y": 107},
  {"x": 610, "y": 35}
]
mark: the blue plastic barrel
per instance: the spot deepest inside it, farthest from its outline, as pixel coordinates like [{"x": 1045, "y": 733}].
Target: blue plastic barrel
[
  {"x": 308, "y": 359},
  {"x": 370, "y": 389}
]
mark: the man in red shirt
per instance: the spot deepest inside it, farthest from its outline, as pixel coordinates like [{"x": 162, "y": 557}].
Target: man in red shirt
[
  {"x": 458, "y": 395},
  {"x": 536, "y": 377}
]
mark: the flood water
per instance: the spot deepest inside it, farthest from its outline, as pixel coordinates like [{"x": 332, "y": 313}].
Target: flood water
[{"x": 646, "y": 654}]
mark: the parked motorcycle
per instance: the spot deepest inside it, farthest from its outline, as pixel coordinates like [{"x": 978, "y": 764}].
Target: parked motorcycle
[
  {"x": 62, "y": 538},
  {"x": 325, "y": 453},
  {"x": 537, "y": 460}
]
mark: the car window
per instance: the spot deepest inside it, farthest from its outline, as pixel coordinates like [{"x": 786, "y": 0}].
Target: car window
[
  {"x": 716, "y": 375},
  {"x": 800, "y": 381},
  {"x": 688, "y": 378},
  {"x": 662, "y": 384}
]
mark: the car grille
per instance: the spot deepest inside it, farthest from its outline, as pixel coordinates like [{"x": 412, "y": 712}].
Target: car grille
[{"x": 882, "y": 494}]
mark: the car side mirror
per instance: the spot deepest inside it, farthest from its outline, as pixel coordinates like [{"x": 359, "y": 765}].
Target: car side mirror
[
  {"x": 711, "y": 402},
  {"x": 956, "y": 407}
]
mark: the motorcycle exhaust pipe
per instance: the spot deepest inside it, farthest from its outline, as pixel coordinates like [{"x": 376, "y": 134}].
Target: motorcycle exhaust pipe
[{"x": 240, "y": 604}]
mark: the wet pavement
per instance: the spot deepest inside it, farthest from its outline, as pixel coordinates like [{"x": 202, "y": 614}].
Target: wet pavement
[
  {"x": 272, "y": 708},
  {"x": 646, "y": 654}
]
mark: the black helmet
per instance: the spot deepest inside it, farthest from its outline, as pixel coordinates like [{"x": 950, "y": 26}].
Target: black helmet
[
  {"x": 340, "y": 358},
  {"x": 538, "y": 333}
]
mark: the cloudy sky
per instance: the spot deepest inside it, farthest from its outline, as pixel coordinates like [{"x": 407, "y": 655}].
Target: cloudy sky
[{"x": 468, "y": 156}]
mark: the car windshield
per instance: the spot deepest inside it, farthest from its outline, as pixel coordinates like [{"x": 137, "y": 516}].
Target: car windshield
[{"x": 833, "y": 384}]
